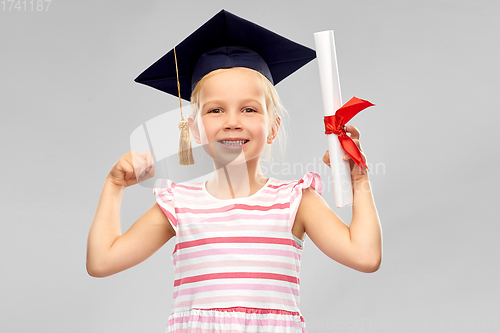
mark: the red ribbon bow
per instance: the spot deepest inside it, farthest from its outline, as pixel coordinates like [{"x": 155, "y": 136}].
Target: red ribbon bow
[{"x": 336, "y": 124}]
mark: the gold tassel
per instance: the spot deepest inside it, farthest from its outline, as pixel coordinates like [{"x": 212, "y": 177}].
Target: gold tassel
[{"x": 185, "y": 150}]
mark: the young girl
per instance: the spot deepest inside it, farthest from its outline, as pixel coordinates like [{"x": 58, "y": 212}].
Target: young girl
[{"x": 239, "y": 235}]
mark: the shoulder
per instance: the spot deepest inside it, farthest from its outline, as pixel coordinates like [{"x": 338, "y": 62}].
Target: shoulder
[
  {"x": 311, "y": 200},
  {"x": 309, "y": 180},
  {"x": 311, "y": 204}
]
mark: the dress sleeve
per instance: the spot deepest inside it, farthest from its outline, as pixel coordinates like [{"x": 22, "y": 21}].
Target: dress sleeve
[
  {"x": 311, "y": 179},
  {"x": 164, "y": 191}
]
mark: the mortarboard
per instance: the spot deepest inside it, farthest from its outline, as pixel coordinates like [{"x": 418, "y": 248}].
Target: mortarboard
[{"x": 224, "y": 41}]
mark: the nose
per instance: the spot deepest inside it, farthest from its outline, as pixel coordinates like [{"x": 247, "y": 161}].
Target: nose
[{"x": 233, "y": 120}]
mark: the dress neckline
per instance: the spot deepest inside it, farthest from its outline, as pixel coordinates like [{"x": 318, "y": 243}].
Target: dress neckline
[{"x": 204, "y": 188}]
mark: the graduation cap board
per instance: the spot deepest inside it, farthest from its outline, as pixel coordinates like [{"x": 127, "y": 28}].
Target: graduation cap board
[{"x": 224, "y": 41}]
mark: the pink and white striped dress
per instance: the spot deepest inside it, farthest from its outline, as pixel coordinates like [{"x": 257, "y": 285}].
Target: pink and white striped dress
[{"x": 236, "y": 261}]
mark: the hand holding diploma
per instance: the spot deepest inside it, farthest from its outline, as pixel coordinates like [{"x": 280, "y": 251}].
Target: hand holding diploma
[{"x": 357, "y": 172}]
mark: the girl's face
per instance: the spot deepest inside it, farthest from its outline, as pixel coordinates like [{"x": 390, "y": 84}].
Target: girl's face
[{"x": 233, "y": 116}]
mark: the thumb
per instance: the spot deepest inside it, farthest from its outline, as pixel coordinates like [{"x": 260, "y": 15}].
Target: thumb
[{"x": 326, "y": 158}]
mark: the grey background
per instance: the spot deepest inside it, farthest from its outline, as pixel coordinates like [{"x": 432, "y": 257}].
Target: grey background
[{"x": 69, "y": 104}]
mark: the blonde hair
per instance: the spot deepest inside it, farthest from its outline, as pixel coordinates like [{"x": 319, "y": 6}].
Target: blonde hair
[{"x": 273, "y": 105}]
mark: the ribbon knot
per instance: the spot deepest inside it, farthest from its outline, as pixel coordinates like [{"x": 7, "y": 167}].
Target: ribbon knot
[{"x": 335, "y": 124}]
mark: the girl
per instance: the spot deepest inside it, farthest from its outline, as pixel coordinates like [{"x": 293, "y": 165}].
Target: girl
[{"x": 239, "y": 235}]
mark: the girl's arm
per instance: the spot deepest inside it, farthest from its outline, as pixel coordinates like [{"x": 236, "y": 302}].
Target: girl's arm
[
  {"x": 110, "y": 252},
  {"x": 358, "y": 246}
]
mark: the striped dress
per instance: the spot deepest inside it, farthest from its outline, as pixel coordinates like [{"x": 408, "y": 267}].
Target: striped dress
[{"x": 236, "y": 261}]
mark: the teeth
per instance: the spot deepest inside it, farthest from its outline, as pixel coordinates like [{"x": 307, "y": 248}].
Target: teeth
[{"x": 233, "y": 142}]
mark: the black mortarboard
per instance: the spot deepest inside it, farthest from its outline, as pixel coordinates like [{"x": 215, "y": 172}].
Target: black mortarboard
[{"x": 226, "y": 41}]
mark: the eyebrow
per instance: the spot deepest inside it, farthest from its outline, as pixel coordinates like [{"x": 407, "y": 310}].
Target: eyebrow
[{"x": 221, "y": 101}]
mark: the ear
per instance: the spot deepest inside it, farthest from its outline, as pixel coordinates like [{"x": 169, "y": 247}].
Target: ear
[
  {"x": 193, "y": 127},
  {"x": 273, "y": 132}
]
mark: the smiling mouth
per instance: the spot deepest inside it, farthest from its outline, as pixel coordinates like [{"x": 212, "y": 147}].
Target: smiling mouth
[{"x": 234, "y": 142}]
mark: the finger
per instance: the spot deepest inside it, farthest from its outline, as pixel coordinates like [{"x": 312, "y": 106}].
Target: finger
[
  {"x": 150, "y": 164},
  {"x": 148, "y": 157},
  {"x": 147, "y": 168},
  {"x": 127, "y": 169},
  {"x": 356, "y": 166},
  {"x": 326, "y": 158},
  {"x": 146, "y": 161},
  {"x": 140, "y": 165},
  {"x": 150, "y": 173},
  {"x": 355, "y": 134},
  {"x": 358, "y": 144},
  {"x": 136, "y": 164},
  {"x": 125, "y": 166}
]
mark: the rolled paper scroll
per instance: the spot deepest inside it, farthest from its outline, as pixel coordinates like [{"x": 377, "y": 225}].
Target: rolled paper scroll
[{"x": 332, "y": 100}]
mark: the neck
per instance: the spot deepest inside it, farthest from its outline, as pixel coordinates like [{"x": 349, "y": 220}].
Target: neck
[{"x": 236, "y": 180}]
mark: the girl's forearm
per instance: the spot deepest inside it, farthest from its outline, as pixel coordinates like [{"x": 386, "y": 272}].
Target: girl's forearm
[
  {"x": 365, "y": 230},
  {"x": 105, "y": 228}
]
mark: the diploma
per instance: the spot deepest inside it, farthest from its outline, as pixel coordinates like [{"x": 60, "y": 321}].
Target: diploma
[{"x": 332, "y": 101}]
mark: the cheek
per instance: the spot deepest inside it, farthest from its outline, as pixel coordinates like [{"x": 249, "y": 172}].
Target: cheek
[
  {"x": 262, "y": 129},
  {"x": 268, "y": 126},
  {"x": 201, "y": 130},
  {"x": 208, "y": 129}
]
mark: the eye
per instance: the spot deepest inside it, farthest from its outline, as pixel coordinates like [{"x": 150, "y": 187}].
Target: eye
[
  {"x": 215, "y": 111},
  {"x": 249, "y": 110}
]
